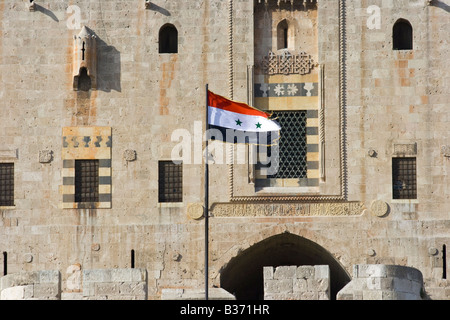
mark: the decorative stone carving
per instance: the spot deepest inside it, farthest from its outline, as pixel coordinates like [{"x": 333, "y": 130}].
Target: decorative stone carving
[
  {"x": 372, "y": 153},
  {"x": 195, "y": 211},
  {"x": 445, "y": 150},
  {"x": 129, "y": 155},
  {"x": 405, "y": 149},
  {"x": 85, "y": 60},
  {"x": 45, "y": 156},
  {"x": 286, "y": 63},
  {"x": 9, "y": 154},
  {"x": 74, "y": 278},
  {"x": 28, "y": 258},
  {"x": 176, "y": 256},
  {"x": 379, "y": 208},
  {"x": 287, "y": 209}
]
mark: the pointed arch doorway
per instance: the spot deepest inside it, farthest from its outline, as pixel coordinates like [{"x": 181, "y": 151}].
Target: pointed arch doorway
[{"x": 243, "y": 275}]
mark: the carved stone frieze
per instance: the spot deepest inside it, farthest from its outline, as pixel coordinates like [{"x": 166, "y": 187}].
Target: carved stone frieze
[
  {"x": 287, "y": 63},
  {"x": 287, "y": 209},
  {"x": 45, "y": 156}
]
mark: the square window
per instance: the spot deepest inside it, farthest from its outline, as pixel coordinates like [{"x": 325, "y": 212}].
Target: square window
[
  {"x": 170, "y": 182},
  {"x": 6, "y": 184},
  {"x": 86, "y": 180},
  {"x": 404, "y": 182}
]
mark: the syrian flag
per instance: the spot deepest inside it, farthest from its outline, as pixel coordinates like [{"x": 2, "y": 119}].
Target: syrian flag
[{"x": 236, "y": 122}]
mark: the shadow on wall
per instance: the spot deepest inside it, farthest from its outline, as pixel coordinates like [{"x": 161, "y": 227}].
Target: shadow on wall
[
  {"x": 45, "y": 11},
  {"x": 108, "y": 67},
  {"x": 440, "y": 4}
]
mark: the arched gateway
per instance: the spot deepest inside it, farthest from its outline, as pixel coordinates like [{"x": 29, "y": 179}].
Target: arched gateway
[{"x": 243, "y": 275}]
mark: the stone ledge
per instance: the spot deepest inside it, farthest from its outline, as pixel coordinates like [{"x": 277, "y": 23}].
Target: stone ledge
[{"x": 196, "y": 294}]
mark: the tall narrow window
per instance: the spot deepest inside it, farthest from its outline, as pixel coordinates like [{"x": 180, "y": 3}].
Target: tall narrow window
[
  {"x": 132, "y": 259},
  {"x": 6, "y": 184},
  {"x": 86, "y": 181},
  {"x": 168, "y": 39},
  {"x": 402, "y": 35},
  {"x": 404, "y": 178},
  {"x": 5, "y": 263},
  {"x": 444, "y": 262},
  {"x": 283, "y": 35},
  {"x": 170, "y": 182},
  {"x": 83, "y": 50}
]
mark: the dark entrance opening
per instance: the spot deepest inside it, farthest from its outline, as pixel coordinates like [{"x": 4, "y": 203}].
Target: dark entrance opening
[{"x": 243, "y": 275}]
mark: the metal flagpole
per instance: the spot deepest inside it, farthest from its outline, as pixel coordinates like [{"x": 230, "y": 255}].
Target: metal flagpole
[{"x": 206, "y": 205}]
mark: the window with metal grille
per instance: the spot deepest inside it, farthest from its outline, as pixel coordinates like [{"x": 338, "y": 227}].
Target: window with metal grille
[
  {"x": 291, "y": 158},
  {"x": 86, "y": 180},
  {"x": 170, "y": 182},
  {"x": 404, "y": 178},
  {"x": 6, "y": 184}
]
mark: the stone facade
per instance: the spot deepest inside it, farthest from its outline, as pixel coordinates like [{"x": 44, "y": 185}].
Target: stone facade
[
  {"x": 365, "y": 104},
  {"x": 381, "y": 282},
  {"x": 297, "y": 283},
  {"x": 36, "y": 285},
  {"x": 106, "y": 284}
]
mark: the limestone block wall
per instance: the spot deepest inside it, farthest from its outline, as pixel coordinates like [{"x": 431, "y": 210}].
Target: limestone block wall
[
  {"x": 37, "y": 285},
  {"x": 297, "y": 283},
  {"x": 105, "y": 284},
  {"x": 383, "y": 282},
  {"x": 115, "y": 284},
  {"x": 196, "y": 294}
]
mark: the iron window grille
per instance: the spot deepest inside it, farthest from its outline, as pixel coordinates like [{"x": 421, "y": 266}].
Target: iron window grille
[
  {"x": 170, "y": 182},
  {"x": 404, "y": 180},
  {"x": 292, "y": 146},
  {"x": 86, "y": 180},
  {"x": 6, "y": 184}
]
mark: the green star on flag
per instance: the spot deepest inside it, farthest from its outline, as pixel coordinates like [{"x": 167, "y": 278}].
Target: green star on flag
[
  {"x": 258, "y": 125},
  {"x": 238, "y": 122}
]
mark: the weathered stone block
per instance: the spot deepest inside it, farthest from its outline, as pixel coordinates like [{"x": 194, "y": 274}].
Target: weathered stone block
[
  {"x": 305, "y": 272},
  {"x": 106, "y": 289},
  {"x": 279, "y": 286},
  {"x": 300, "y": 285},
  {"x": 133, "y": 288},
  {"x": 285, "y": 272},
  {"x": 322, "y": 272},
  {"x": 383, "y": 282},
  {"x": 46, "y": 290},
  {"x": 268, "y": 273}
]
